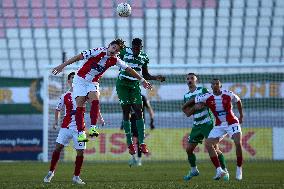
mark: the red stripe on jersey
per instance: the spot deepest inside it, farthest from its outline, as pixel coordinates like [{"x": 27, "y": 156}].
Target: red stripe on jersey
[
  {"x": 210, "y": 102},
  {"x": 68, "y": 109},
  {"x": 227, "y": 104},
  {"x": 86, "y": 68},
  {"x": 110, "y": 62}
]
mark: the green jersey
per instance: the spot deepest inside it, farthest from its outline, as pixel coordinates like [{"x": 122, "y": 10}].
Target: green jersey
[
  {"x": 201, "y": 116},
  {"x": 135, "y": 62}
]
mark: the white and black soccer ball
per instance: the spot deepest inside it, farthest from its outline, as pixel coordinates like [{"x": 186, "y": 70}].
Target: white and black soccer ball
[{"x": 123, "y": 10}]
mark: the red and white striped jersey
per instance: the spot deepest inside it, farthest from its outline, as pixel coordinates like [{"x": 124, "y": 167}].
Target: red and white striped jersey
[
  {"x": 67, "y": 101},
  {"x": 221, "y": 106},
  {"x": 97, "y": 62}
]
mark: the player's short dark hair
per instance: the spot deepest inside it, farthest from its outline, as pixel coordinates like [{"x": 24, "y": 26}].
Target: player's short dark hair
[
  {"x": 137, "y": 42},
  {"x": 118, "y": 42},
  {"x": 70, "y": 75},
  {"x": 193, "y": 74},
  {"x": 215, "y": 79}
]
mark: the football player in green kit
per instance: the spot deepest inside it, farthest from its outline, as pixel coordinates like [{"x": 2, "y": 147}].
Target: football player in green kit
[
  {"x": 129, "y": 92},
  {"x": 203, "y": 123}
]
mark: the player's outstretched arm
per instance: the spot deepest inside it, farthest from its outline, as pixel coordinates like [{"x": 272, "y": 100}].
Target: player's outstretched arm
[
  {"x": 148, "y": 76},
  {"x": 240, "y": 109},
  {"x": 145, "y": 83},
  {"x": 59, "y": 68}
]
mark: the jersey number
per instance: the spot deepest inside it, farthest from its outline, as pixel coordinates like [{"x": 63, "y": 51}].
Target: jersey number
[{"x": 235, "y": 128}]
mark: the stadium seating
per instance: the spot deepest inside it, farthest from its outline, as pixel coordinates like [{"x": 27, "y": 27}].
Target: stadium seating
[{"x": 34, "y": 33}]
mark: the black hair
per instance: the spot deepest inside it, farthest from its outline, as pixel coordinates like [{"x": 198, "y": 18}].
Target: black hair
[
  {"x": 215, "y": 79},
  {"x": 70, "y": 75},
  {"x": 193, "y": 74},
  {"x": 137, "y": 42}
]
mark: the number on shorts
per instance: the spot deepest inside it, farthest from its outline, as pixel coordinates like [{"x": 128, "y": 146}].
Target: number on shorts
[
  {"x": 81, "y": 143},
  {"x": 235, "y": 128}
]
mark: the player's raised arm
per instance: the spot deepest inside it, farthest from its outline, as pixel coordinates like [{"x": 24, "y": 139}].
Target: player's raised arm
[
  {"x": 145, "y": 83},
  {"x": 148, "y": 76},
  {"x": 59, "y": 68}
]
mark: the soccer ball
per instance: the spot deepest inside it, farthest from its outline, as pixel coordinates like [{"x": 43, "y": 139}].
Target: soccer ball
[{"x": 123, "y": 10}]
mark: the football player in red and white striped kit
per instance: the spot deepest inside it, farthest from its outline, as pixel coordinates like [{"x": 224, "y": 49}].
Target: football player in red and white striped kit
[
  {"x": 86, "y": 85},
  {"x": 220, "y": 103},
  {"x": 68, "y": 131}
]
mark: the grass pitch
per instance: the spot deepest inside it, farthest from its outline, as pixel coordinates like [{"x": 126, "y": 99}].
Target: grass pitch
[{"x": 152, "y": 175}]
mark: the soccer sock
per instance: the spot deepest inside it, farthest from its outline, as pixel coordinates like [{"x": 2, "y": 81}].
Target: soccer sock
[
  {"x": 78, "y": 165},
  {"x": 239, "y": 161},
  {"x": 94, "y": 112},
  {"x": 222, "y": 161},
  {"x": 141, "y": 128},
  {"x": 127, "y": 130},
  {"x": 215, "y": 161},
  {"x": 139, "y": 151},
  {"x": 54, "y": 160},
  {"x": 79, "y": 117},
  {"x": 192, "y": 160}
]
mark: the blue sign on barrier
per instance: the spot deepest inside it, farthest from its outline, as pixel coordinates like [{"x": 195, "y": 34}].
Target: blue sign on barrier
[{"x": 20, "y": 144}]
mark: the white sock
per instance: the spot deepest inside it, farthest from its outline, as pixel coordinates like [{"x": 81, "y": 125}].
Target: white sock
[
  {"x": 219, "y": 169},
  {"x": 93, "y": 126},
  {"x": 81, "y": 132},
  {"x": 193, "y": 169}
]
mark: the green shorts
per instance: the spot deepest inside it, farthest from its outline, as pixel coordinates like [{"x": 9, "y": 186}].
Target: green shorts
[
  {"x": 198, "y": 133},
  {"x": 128, "y": 91}
]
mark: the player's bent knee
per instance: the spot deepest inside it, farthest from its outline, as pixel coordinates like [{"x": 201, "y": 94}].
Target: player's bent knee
[
  {"x": 189, "y": 150},
  {"x": 80, "y": 152},
  {"x": 59, "y": 147}
]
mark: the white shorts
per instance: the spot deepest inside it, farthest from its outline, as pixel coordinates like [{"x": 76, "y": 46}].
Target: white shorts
[
  {"x": 82, "y": 87},
  {"x": 224, "y": 129},
  {"x": 65, "y": 135}
]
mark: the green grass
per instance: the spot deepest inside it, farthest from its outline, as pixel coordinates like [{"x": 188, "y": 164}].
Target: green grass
[{"x": 152, "y": 175}]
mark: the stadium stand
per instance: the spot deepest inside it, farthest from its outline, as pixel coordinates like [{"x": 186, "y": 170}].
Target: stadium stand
[{"x": 34, "y": 33}]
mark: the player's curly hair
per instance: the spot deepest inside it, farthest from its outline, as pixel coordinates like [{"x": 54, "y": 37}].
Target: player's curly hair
[
  {"x": 137, "y": 41},
  {"x": 70, "y": 75},
  {"x": 118, "y": 42}
]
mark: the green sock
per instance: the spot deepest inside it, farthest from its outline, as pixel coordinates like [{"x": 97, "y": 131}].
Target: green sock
[
  {"x": 141, "y": 130},
  {"x": 222, "y": 161},
  {"x": 192, "y": 160},
  {"x": 127, "y": 130}
]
